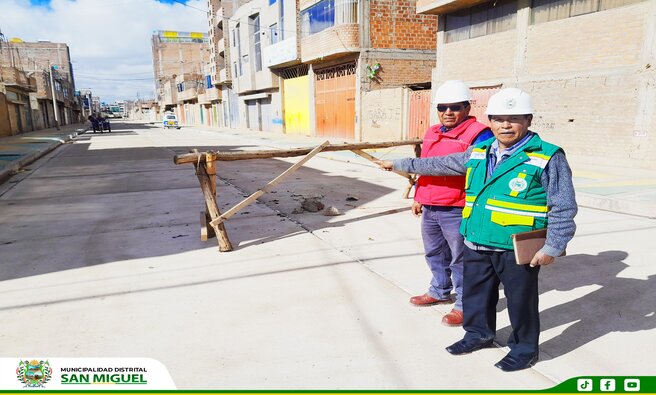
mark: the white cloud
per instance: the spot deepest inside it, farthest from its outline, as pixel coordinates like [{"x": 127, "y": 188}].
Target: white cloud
[{"x": 109, "y": 40}]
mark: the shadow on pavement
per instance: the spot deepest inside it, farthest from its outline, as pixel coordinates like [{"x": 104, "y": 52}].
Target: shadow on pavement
[
  {"x": 618, "y": 305},
  {"x": 82, "y": 207}
]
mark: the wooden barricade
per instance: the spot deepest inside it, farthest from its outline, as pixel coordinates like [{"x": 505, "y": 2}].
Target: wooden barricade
[{"x": 212, "y": 221}]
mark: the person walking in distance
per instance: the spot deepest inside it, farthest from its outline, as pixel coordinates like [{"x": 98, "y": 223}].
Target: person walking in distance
[{"x": 439, "y": 200}]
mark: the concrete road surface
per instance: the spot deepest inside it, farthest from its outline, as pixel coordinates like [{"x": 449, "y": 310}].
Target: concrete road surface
[{"x": 100, "y": 257}]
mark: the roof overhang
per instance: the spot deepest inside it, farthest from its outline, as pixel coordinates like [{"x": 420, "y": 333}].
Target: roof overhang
[{"x": 439, "y": 7}]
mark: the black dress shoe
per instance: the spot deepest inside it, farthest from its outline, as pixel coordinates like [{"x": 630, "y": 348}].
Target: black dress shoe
[
  {"x": 466, "y": 346},
  {"x": 511, "y": 364}
]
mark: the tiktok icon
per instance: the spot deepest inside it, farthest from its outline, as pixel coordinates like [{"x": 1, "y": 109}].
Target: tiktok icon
[{"x": 584, "y": 385}]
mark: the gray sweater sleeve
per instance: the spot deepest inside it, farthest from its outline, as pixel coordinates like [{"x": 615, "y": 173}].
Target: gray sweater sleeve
[
  {"x": 449, "y": 165},
  {"x": 557, "y": 181}
]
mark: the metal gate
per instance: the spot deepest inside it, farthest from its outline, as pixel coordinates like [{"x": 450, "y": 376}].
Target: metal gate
[
  {"x": 335, "y": 101},
  {"x": 254, "y": 121},
  {"x": 266, "y": 114},
  {"x": 233, "y": 109},
  {"x": 481, "y": 95},
  {"x": 419, "y": 119}
]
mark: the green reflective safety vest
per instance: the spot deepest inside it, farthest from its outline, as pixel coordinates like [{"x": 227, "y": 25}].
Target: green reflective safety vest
[{"x": 512, "y": 200}]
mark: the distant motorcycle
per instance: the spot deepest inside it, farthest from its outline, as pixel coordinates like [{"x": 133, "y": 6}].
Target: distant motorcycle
[{"x": 106, "y": 126}]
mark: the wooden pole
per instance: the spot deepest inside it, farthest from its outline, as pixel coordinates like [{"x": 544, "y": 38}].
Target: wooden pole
[
  {"x": 211, "y": 203},
  {"x": 229, "y": 156},
  {"x": 206, "y": 230},
  {"x": 411, "y": 178},
  {"x": 267, "y": 187}
]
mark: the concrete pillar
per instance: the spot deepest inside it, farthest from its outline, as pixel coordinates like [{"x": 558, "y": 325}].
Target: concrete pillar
[
  {"x": 313, "y": 112},
  {"x": 523, "y": 22},
  {"x": 645, "y": 119}
]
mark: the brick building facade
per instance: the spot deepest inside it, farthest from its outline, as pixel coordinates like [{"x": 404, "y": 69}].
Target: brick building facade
[
  {"x": 310, "y": 68},
  {"x": 579, "y": 60},
  {"x": 179, "y": 64},
  {"x": 38, "y": 60}
]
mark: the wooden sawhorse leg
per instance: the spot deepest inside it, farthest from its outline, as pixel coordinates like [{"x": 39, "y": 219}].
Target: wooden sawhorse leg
[{"x": 206, "y": 173}]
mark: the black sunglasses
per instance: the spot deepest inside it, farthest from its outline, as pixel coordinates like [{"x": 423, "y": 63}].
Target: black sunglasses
[{"x": 453, "y": 107}]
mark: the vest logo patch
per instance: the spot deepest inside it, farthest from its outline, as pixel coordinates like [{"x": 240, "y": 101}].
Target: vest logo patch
[{"x": 518, "y": 184}]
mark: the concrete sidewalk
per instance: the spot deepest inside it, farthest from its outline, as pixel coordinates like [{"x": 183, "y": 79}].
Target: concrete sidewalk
[{"x": 18, "y": 151}]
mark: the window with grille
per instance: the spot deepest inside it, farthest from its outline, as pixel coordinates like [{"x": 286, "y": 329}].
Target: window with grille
[
  {"x": 335, "y": 71},
  {"x": 318, "y": 18},
  {"x": 552, "y": 10},
  {"x": 294, "y": 72},
  {"x": 328, "y": 13},
  {"x": 239, "y": 54},
  {"x": 257, "y": 41},
  {"x": 483, "y": 19},
  {"x": 273, "y": 33},
  {"x": 281, "y": 20}
]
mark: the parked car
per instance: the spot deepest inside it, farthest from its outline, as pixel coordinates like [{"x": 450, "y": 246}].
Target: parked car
[{"x": 170, "y": 121}]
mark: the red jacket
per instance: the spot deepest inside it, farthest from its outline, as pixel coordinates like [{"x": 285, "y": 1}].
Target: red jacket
[{"x": 443, "y": 190}]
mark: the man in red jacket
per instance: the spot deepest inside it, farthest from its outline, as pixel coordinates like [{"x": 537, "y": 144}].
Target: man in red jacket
[{"x": 441, "y": 199}]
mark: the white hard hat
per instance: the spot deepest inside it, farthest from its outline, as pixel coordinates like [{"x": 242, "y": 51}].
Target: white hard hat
[
  {"x": 509, "y": 101},
  {"x": 452, "y": 91}
]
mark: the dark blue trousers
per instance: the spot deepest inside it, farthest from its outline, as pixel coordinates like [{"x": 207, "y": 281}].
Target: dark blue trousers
[{"x": 484, "y": 271}]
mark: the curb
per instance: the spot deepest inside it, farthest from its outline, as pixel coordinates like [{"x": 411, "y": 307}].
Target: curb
[
  {"x": 13, "y": 168},
  {"x": 641, "y": 209}
]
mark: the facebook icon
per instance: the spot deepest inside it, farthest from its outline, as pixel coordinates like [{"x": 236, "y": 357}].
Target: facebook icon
[{"x": 607, "y": 385}]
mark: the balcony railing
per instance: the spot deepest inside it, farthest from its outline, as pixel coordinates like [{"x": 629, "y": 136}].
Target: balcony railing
[
  {"x": 212, "y": 94},
  {"x": 13, "y": 76},
  {"x": 280, "y": 53},
  {"x": 220, "y": 46},
  {"x": 188, "y": 94},
  {"x": 170, "y": 98},
  {"x": 223, "y": 76},
  {"x": 331, "y": 42}
]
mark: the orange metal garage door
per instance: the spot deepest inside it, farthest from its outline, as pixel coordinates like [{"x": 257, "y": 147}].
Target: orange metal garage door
[{"x": 335, "y": 101}]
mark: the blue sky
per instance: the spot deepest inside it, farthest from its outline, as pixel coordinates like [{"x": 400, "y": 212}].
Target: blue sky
[
  {"x": 47, "y": 2},
  {"x": 109, "y": 40}
]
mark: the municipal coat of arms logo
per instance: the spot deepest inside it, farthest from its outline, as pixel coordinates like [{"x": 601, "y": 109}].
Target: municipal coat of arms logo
[
  {"x": 34, "y": 373},
  {"x": 517, "y": 184}
]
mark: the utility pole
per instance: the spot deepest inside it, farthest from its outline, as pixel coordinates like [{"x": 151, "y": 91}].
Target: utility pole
[
  {"x": 54, "y": 98},
  {"x": 84, "y": 114}
]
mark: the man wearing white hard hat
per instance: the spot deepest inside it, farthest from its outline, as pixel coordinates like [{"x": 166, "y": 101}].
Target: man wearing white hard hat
[
  {"x": 516, "y": 182},
  {"x": 441, "y": 199}
]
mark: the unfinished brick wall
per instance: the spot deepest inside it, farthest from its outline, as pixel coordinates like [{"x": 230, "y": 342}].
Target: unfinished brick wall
[
  {"x": 586, "y": 42},
  {"x": 579, "y": 70},
  {"x": 396, "y": 24},
  {"x": 397, "y": 72},
  {"x": 35, "y": 58}
]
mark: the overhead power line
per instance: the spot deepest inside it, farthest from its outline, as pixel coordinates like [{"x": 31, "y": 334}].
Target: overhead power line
[
  {"x": 78, "y": 72},
  {"x": 117, "y": 79}
]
